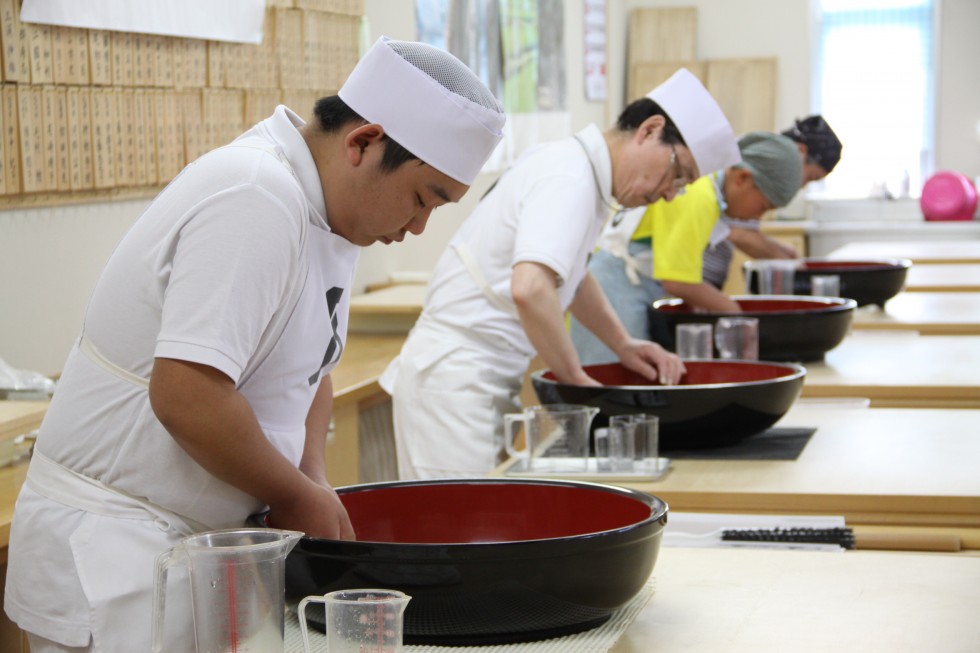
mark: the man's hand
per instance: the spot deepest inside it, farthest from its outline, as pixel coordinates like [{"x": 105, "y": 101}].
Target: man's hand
[
  {"x": 652, "y": 361},
  {"x": 318, "y": 513}
]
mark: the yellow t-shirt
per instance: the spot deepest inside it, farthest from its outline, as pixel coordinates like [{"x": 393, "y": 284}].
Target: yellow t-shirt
[{"x": 680, "y": 230}]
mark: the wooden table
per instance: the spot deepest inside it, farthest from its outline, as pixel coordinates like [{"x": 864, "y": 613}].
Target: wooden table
[
  {"x": 19, "y": 417},
  {"x": 389, "y": 310},
  {"x": 750, "y": 600},
  {"x": 919, "y": 252},
  {"x": 16, "y": 418},
  {"x": 900, "y": 369},
  {"x": 886, "y": 467},
  {"x": 959, "y": 277},
  {"x": 929, "y": 313},
  {"x": 355, "y": 383}
]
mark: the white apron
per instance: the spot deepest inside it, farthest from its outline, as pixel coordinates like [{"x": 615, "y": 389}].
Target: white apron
[
  {"x": 473, "y": 379},
  {"x": 473, "y": 383}
]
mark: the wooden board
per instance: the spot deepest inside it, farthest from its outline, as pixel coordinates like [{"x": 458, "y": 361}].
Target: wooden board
[
  {"x": 662, "y": 34},
  {"x": 646, "y": 75},
  {"x": 918, "y": 251},
  {"x": 944, "y": 277},
  {"x": 900, "y": 369},
  {"x": 745, "y": 601},
  {"x": 19, "y": 417},
  {"x": 746, "y": 91},
  {"x": 929, "y": 313}
]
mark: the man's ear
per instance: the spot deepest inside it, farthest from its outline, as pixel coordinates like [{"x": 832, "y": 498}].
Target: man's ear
[
  {"x": 742, "y": 176},
  {"x": 358, "y": 140},
  {"x": 650, "y": 127}
]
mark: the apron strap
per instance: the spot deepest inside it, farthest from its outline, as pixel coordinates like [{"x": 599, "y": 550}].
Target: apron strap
[
  {"x": 58, "y": 483},
  {"x": 278, "y": 325},
  {"x": 466, "y": 256},
  {"x": 88, "y": 348}
]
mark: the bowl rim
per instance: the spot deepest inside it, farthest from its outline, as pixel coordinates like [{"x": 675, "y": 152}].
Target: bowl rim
[
  {"x": 890, "y": 262},
  {"x": 838, "y": 305},
  {"x": 797, "y": 371},
  {"x": 658, "y": 512}
]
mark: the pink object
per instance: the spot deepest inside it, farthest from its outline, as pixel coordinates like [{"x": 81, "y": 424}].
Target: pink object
[{"x": 948, "y": 196}]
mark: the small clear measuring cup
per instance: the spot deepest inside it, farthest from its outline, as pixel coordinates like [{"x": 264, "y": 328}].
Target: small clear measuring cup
[
  {"x": 238, "y": 590},
  {"x": 359, "y": 620}
]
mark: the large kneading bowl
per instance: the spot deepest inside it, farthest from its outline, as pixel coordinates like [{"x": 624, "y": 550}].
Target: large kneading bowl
[
  {"x": 791, "y": 327},
  {"x": 866, "y": 282},
  {"x": 716, "y": 403},
  {"x": 489, "y": 561}
]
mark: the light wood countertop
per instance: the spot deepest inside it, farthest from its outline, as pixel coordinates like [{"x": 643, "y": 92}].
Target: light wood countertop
[
  {"x": 929, "y": 313},
  {"x": 751, "y": 600},
  {"x": 870, "y": 465},
  {"x": 19, "y": 417},
  {"x": 943, "y": 277},
  {"x": 365, "y": 357},
  {"x": 389, "y": 310},
  {"x": 918, "y": 251},
  {"x": 900, "y": 369},
  {"x": 895, "y": 470}
]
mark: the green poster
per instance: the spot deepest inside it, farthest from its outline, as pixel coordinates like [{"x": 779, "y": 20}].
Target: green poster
[{"x": 519, "y": 37}]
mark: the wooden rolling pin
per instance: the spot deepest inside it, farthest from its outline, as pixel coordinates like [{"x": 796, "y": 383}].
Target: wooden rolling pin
[
  {"x": 906, "y": 541},
  {"x": 850, "y": 539}
]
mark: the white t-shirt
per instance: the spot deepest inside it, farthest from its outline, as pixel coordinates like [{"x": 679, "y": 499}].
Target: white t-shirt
[
  {"x": 545, "y": 209},
  {"x": 202, "y": 276}
]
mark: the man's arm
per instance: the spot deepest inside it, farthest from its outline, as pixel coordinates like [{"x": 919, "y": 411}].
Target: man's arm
[
  {"x": 702, "y": 296},
  {"x": 534, "y": 288},
  {"x": 313, "y": 462},
  {"x": 759, "y": 245},
  {"x": 591, "y": 307},
  {"x": 203, "y": 411}
]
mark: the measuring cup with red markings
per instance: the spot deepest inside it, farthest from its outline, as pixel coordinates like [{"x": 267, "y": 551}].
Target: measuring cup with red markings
[
  {"x": 238, "y": 593},
  {"x": 359, "y": 620}
]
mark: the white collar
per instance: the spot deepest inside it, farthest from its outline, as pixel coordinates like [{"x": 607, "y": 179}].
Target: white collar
[{"x": 283, "y": 126}]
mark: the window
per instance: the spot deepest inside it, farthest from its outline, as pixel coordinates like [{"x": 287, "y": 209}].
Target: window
[
  {"x": 874, "y": 84},
  {"x": 517, "y": 52}
]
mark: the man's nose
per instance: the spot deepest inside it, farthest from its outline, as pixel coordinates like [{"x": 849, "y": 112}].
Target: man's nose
[{"x": 417, "y": 224}]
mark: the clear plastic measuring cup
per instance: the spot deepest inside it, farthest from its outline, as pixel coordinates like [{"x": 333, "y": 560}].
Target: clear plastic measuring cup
[
  {"x": 556, "y": 437},
  {"x": 238, "y": 590},
  {"x": 359, "y": 620}
]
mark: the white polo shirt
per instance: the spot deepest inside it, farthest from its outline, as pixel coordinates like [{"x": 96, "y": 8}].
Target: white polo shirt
[
  {"x": 546, "y": 209},
  {"x": 202, "y": 276}
]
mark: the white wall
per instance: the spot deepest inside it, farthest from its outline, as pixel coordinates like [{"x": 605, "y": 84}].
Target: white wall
[
  {"x": 50, "y": 258},
  {"x": 958, "y": 110}
]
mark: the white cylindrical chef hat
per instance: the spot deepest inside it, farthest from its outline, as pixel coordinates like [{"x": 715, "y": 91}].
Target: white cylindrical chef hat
[
  {"x": 699, "y": 119},
  {"x": 429, "y": 102}
]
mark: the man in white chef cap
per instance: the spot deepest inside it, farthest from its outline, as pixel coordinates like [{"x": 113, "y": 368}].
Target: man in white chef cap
[
  {"x": 500, "y": 291},
  {"x": 199, "y": 392}
]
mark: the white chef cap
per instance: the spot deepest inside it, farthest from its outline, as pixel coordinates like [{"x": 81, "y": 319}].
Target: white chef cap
[
  {"x": 429, "y": 102},
  {"x": 700, "y": 121}
]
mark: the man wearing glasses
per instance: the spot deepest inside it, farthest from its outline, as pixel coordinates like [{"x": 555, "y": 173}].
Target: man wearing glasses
[
  {"x": 500, "y": 291},
  {"x": 659, "y": 250}
]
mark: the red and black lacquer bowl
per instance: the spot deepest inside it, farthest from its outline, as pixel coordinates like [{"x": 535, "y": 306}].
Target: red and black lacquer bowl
[
  {"x": 866, "y": 282},
  {"x": 791, "y": 327},
  {"x": 716, "y": 403},
  {"x": 489, "y": 561}
]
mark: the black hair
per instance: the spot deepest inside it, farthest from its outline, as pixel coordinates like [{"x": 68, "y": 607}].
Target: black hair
[
  {"x": 333, "y": 114},
  {"x": 639, "y": 110},
  {"x": 822, "y": 144}
]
